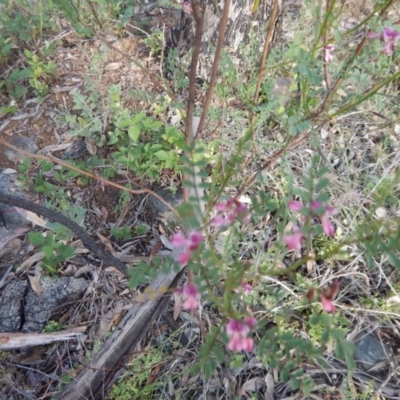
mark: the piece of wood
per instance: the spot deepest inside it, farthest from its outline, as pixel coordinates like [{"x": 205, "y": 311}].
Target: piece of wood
[
  {"x": 94, "y": 381},
  {"x": 14, "y": 341}
]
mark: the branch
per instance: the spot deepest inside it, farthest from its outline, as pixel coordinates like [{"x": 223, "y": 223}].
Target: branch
[
  {"x": 89, "y": 174},
  {"x": 214, "y": 69},
  {"x": 87, "y": 241}
]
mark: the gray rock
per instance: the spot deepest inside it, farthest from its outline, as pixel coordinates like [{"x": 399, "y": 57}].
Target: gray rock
[
  {"x": 370, "y": 351},
  {"x": 23, "y": 143},
  {"x": 11, "y": 306},
  {"x": 160, "y": 209},
  {"x": 57, "y": 294}
]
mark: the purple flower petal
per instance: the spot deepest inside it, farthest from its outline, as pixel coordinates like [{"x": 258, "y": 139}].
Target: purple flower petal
[
  {"x": 184, "y": 257},
  {"x": 195, "y": 238},
  {"x": 178, "y": 240},
  {"x": 219, "y": 220},
  {"x": 293, "y": 242},
  {"x": 374, "y": 35},
  {"x": 295, "y": 206},
  {"x": 390, "y": 35},
  {"x": 327, "y": 226}
]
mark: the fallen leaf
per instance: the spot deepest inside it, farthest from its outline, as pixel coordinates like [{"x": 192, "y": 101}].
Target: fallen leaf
[
  {"x": 32, "y": 217},
  {"x": 35, "y": 284}
]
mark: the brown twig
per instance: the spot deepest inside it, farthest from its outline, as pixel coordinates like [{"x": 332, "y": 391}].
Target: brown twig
[
  {"x": 267, "y": 44},
  {"x": 198, "y": 16},
  {"x": 342, "y": 74},
  {"x": 326, "y": 40},
  {"x": 89, "y": 174},
  {"x": 217, "y": 55},
  {"x": 87, "y": 241}
]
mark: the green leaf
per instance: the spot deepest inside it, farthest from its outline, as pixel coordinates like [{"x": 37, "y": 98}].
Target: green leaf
[
  {"x": 307, "y": 385},
  {"x": 322, "y": 184},
  {"x": 66, "y": 251},
  {"x": 19, "y": 91},
  {"x": 209, "y": 368},
  {"x": 138, "y": 117},
  {"x": 162, "y": 155},
  {"x": 325, "y": 336},
  {"x": 18, "y": 74},
  {"x": 294, "y": 383},
  {"x": 219, "y": 353},
  {"x": 134, "y": 132},
  {"x": 314, "y": 320},
  {"x": 48, "y": 251},
  {"x": 36, "y": 238}
]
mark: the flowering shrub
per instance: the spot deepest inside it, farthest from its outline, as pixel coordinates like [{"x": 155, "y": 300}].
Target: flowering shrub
[
  {"x": 190, "y": 295},
  {"x": 389, "y": 38},
  {"x": 229, "y": 211},
  {"x": 251, "y": 248},
  {"x": 191, "y": 244},
  {"x": 294, "y": 241},
  {"x": 238, "y": 334}
]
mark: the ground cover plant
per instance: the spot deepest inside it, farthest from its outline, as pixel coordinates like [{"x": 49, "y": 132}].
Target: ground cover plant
[{"x": 290, "y": 241}]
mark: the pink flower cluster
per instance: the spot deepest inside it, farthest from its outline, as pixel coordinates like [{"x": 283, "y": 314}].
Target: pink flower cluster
[
  {"x": 294, "y": 241},
  {"x": 238, "y": 332},
  {"x": 328, "y": 57},
  {"x": 246, "y": 289},
  {"x": 230, "y": 210},
  {"x": 189, "y": 295},
  {"x": 326, "y": 296},
  {"x": 187, "y": 7},
  {"x": 389, "y": 38},
  {"x": 191, "y": 243}
]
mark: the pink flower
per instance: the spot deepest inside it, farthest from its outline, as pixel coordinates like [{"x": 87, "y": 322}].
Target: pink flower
[
  {"x": 327, "y": 226},
  {"x": 238, "y": 332},
  {"x": 247, "y": 288},
  {"x": 190, "y": 296},
  {"x": 195, "y": 239},
  {"x": 294, "y": 241},
  {"x": 390, "y": 35},
  {"x": 317, "y": 207},
  {"x": 328, "y": 296},
  {"x": 192, "y": 242},
  {"x": 328, "y": 57},
  {"x": 178, "y": 240},
  {"x": 295, "y": 206},
  {"x": 247, "y": 344},
  {"x": 374, "y": 35},
  {"x": 184, "y": 258},
  {"x": 187, "y": 7},
  {"x": 389, "y": 38},
  {"x": 327, "y": 305},
  {"x": 230, "y": 210}
]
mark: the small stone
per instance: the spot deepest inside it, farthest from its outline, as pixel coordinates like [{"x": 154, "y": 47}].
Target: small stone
[
  {"x": 159, "y": 209},
  {"x": 381, "y": 213},
  {"x": 22, "y": 143},
  {"x": 11, "y": 306},
  {"x": 370, "y": 351},
  {"x": 56, "y": 295}
]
